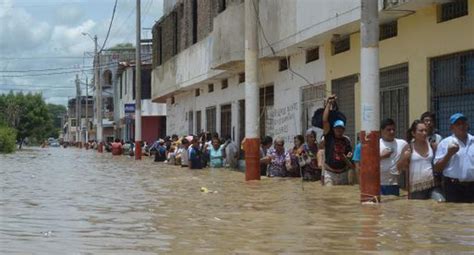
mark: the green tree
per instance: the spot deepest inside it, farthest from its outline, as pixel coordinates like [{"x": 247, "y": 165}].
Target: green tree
[
  {"x": 56, "y": 113},
  {"x": 122, "y": 46},
  {"x": 27, "y": 114}
]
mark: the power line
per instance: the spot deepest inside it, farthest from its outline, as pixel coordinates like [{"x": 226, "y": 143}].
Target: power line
[{"x": 110, "y": 26}]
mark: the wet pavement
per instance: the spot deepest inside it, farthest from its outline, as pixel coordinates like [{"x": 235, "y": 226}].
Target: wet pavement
[{"x": 71, "y": 201}]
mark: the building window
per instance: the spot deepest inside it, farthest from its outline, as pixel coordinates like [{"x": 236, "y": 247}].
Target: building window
[
  {"x": 73, "y": 122},
  {"x": 125, "y": 82},
  {"x": 146, "y": 84},
  {"x": 172, "y": 100},
  {"x": 210, "y": 88},
  {"x": 241, "y": 78},
  {"x": 388, "y": 30},
  {"x": 452, "y": 10},
  {"x": 190, "y": 122},
  {"x": 394, "y": 96},
  {"x": 267, "y": 99},
  {"x": 211, "y": 119},
  {"x": 312, "y": 54},
  {"x": 197, "y": 92},
  {"x": 452, "y": 88},
  {"x": 225, "y": 84},
  {"x": 194, "y": 8},
  {"x": 226, "y": 121},
  {"x": 283, "y": 64},
  {"x": 198, "y": 123},
  {"x": 341, "y": 45},
  {"x": 222, "y": 5},
  {"x": 241, "y": 120},
  {"x": 121, "y": 86},
  {"x": 312, "y": 98},
  {"x": 344, "y": 89}
]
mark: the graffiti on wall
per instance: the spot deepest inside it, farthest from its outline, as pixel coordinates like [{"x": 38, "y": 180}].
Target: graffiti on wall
[{"x": 282, "y": 122}]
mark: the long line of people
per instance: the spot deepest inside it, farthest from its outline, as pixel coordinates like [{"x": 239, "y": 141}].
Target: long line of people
[{"x": 426, "y": 165}]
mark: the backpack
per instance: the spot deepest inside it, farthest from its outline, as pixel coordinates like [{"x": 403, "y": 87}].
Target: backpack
[{"x": 335, "y": 114}]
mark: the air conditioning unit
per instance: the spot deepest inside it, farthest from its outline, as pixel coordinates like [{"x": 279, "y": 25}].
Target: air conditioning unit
[{"x": 389, "y": 4}]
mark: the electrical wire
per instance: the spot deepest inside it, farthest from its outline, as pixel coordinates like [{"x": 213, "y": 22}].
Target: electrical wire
[{"x": 110, "y": 26}]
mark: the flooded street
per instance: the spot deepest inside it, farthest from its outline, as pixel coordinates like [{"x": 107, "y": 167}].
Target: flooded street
[{"x": 68, "y": 201}]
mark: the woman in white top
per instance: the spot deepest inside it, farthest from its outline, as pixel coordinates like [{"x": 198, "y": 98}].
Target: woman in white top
[{"x": 417, "y": 159}]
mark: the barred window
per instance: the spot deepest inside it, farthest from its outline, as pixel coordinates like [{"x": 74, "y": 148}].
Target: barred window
[
  {"x": 190, "y": 122},
  {"x": 241, "y": 77},
  {"x": 452, "y": 88},
  {"x": 198, "y": 122},
  {"x": 452, "y": 10},
  {"x": 388, "y": 30},
  {"x": 225, "y": 84},
  {"x": 226, "y": 120},
  {"x": 211, "y": 119},
  {"x": 312, "y": 55},
  {"x": 341, "y": 45},
  {"x": 284, "y": 63}
]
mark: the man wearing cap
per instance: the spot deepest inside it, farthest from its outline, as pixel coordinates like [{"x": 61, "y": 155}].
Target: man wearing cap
[
  {"x": 455, "y": 159},
  {"x": 338, "y": 149}
]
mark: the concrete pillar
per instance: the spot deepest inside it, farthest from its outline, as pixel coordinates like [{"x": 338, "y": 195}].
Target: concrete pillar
[
  {"x": 138, "y": 87},
  {"x": 370, "y": 103},
  {"x": 252, "y": 141}
]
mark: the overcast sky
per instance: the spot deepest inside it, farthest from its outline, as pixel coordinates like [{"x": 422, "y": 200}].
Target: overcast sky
[{"x": 47, "y": 34}]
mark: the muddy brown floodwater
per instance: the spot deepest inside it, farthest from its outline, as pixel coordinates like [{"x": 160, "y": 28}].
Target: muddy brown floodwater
[{"x": 68, "y": 201}]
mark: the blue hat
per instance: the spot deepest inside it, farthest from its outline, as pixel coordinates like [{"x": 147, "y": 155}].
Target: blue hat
[
  {"x": 457, "y": 116},
  {"x": 338, "y": 123}
]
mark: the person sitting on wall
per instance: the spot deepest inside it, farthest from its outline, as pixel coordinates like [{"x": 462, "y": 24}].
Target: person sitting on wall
[
  {"x": 455, "y": 159},
  {"x": 338, "y": 149}
]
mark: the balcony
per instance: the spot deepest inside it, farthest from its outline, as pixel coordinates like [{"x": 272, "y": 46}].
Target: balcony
[
  {"x": 187, "y": 70},
  {"x": 228, "y": 47}
]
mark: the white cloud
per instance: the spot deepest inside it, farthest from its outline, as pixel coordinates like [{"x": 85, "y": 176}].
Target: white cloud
[
  {"x": 69, "y": 15},
  {"x": 69, "y": 40},
  {"x": 20, "y": 31}
]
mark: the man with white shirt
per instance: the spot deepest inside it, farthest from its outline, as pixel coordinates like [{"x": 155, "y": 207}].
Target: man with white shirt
[
  {"x": 455, "y": 159},
  {"x": 390, "y": 152}
]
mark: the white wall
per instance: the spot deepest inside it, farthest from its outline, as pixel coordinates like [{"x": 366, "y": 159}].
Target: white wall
[{"x": 285, "y": 117}]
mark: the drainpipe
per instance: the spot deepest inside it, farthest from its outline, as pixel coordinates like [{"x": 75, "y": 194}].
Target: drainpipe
[
  {"x": 138, "y": 89},
  {"x": 252, "y": 140},
  {"x": 370, "y": 103}
]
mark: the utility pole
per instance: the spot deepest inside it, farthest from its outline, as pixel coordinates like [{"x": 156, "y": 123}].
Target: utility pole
[
  {"x": 87, "y": 110},
  {"x": 138, "y": 88},
  {"x": 98, "y": 90},
  {"x": 370, "y": 102},
  {"x": 252, "y": 140},
  {"x": 78, "y": 111}
]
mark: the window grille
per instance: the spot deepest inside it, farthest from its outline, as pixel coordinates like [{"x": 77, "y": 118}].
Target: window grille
[
  {"x": 452, "y": 10},
  {"x": 211, "y": 119},
  {"x": 226, "y": 120},
  {"x": 198, "y": 123},
  {"x": 394, "y": 97},
  {"x": 452, "y": 88},
  {"x": 341, "y": 45},
  {"x": 388, "y": 30},
  {"x": 312, "y": 55}
]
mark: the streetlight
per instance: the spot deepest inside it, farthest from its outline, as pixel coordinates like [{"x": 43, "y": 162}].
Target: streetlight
[{"x": 98, "y": 92}]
